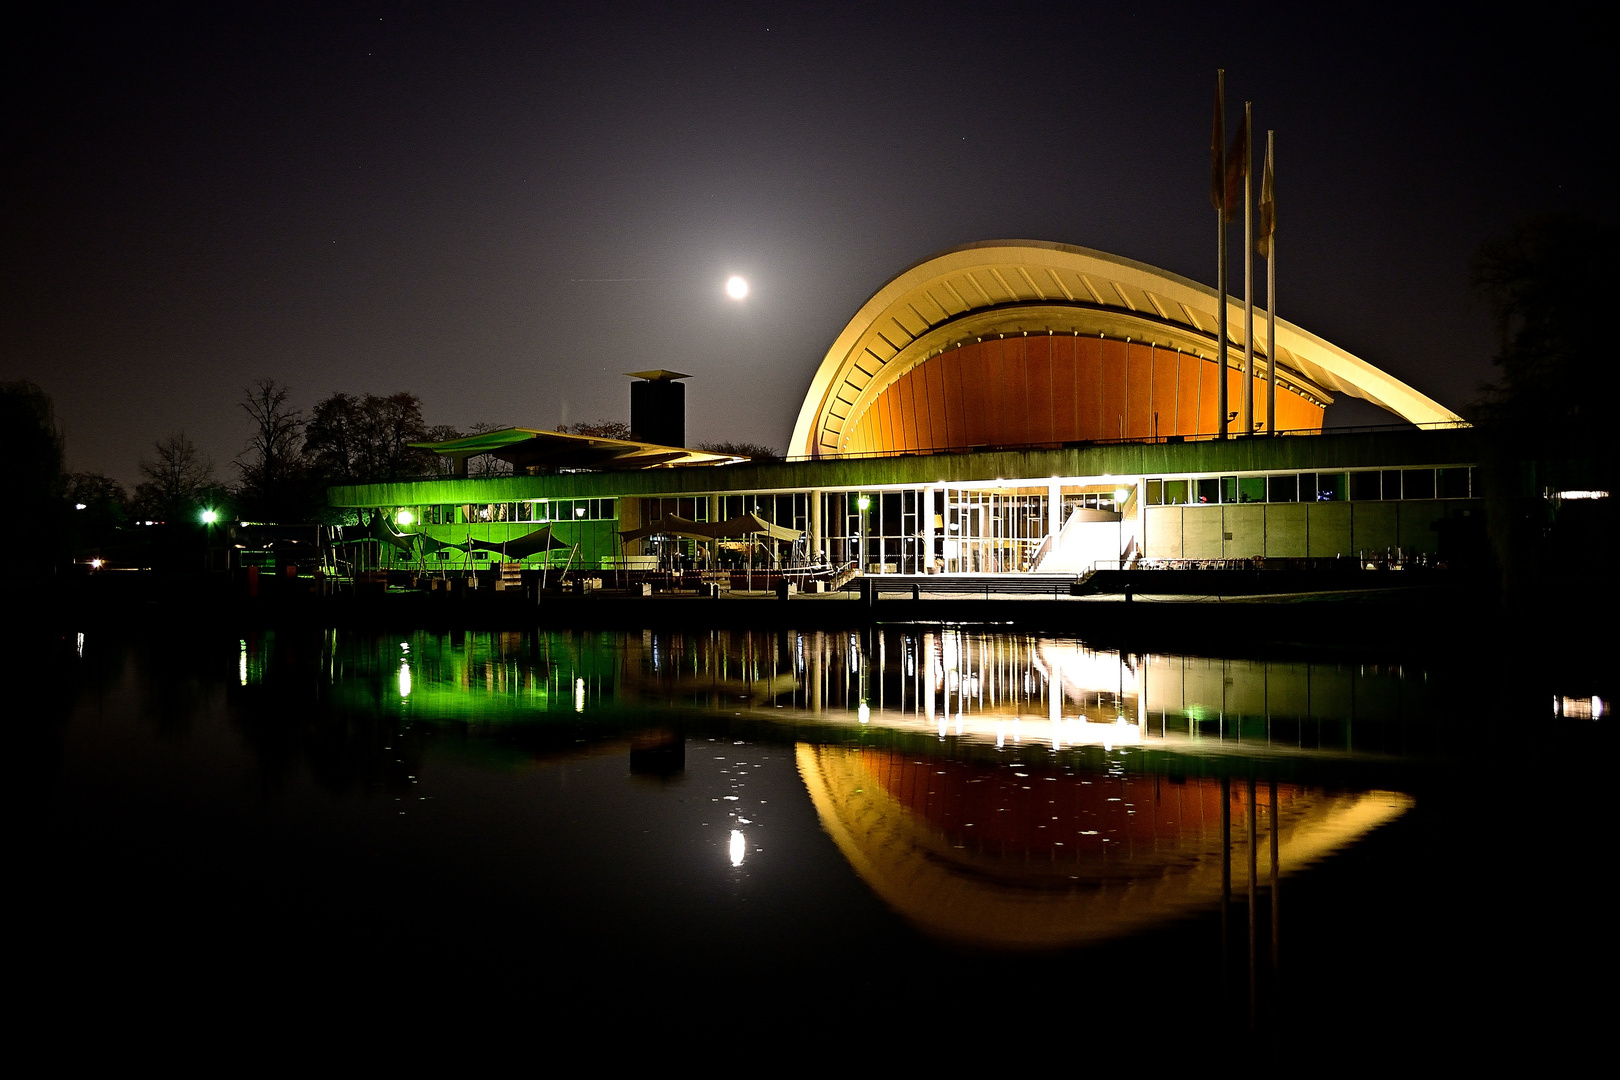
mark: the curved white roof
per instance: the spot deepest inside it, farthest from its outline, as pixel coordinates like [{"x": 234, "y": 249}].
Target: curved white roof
[{"x": 1007, "y": 286}]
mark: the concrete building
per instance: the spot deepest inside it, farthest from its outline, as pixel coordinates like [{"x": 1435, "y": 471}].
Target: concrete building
[{"x": 1001, "y": 408}]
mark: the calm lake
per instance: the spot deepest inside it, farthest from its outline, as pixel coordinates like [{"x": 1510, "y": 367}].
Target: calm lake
[{"x": 924, "y": 819}]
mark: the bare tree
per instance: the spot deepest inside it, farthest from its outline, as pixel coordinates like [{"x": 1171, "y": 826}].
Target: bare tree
[
  {"x": 368, "y": 438},
  {"x": 176, "y": 477},
  {"x": 272, "y": 465},
  {"x": 742, "y": 449},
  {"x": 601, "y": 429}
]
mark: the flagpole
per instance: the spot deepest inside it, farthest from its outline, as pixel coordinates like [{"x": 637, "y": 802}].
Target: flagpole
[
  {"x": 1271, "y": 297},
  {"x": 1247, "y": 420},
  {"x": 1219, "y": 149}
]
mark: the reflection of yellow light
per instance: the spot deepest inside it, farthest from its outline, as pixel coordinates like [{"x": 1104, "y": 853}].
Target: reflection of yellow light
[
  {"x": 579, "y": 695},
  {"x": 404, "y": 679},
  {"x": 95, "y": 564},
  {"x": 865, "y": 713},
  {"x": 739, "y": 847}
]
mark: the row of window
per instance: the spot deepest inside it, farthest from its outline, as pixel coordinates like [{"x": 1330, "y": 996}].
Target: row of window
[
  {"x": 540, "y": 512},
  {"x": 1361, "y": 485}
]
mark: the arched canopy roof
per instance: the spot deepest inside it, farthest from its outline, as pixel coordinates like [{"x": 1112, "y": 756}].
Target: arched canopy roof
[{"x": 1009, "y": 286}]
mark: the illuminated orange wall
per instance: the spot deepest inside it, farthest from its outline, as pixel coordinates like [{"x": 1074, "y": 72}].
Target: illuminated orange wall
[{"x": 1054, "y": 389}]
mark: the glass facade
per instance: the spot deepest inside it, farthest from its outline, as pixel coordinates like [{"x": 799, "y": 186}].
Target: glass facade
[{"x": 1352, "y": 485}]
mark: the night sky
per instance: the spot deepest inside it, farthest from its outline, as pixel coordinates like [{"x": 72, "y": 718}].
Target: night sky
[{"x": 500, "y": 209}]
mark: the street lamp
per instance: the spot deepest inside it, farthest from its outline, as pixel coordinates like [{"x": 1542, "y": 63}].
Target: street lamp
[{"x": 208, "y": 519}]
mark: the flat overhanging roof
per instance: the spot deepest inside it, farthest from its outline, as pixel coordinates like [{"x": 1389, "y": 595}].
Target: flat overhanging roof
[{"x": 528, "y": 448}]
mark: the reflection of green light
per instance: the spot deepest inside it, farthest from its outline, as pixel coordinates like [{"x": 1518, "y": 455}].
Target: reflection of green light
[
  {"x": 404, "y": 679},
  {"x": 209, "y": 517}
]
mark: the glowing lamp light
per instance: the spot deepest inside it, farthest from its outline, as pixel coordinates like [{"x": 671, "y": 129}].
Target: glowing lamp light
[
  {"x": 1121, "y": 495},
  {"x": 405, "y": 517},
  {"x": 738, "y": 847},
  {"x": 95, "y": 564},
  {"x": 579, "y": 511},
  {"x": 209, "y": 517},
  {"x": 79, "y": 506},
  {"x": 736, "y": 288},
  {"x": 864, "y": 501}
]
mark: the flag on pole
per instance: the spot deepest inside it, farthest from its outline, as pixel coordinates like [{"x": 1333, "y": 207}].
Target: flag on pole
[
  {"x": 1217, "y": 142},
  {"x": 1237, "y": 169},
  {"x": 1268, "y": 210}
]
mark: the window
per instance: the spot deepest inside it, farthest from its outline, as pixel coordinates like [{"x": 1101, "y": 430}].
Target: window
[
  {"x": 1175, "y": 492},
  {"x": 1331, "y": 487},
  {"x": 1364, "y": 486},
  {"x": 1418, "y": 484},
  {"x": 1454, "y": 483},
  {"x": 1251, "y": 489},
  {"x": 1229, "y": 489},
  {"x": 1155, "y": 492},
  {"x": 1392, "y": 483},
  {"x": 1209, "y": 490},
  {"x": 1281, "y": 489}
]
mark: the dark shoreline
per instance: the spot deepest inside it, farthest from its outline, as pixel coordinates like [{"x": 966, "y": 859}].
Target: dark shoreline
[{"x": 1431, "y": 616}]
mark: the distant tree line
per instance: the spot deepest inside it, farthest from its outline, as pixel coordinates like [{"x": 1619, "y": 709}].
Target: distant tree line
[{"x": 1550, "y": 283}]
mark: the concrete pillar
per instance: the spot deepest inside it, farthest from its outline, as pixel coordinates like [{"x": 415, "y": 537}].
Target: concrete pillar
[
  {"x": 1054, "y": 508},
  {"x": 925, "y": 519},
  {"x": 714, "y": 545},
  {"x": 815, "y": 527}
]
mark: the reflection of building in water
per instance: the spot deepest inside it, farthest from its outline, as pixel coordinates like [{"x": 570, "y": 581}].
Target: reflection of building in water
[
  {"x": 1036, "y": 854},
  {"x": 1018, "y": 689},
  {"x": 1008, "y": 689}
]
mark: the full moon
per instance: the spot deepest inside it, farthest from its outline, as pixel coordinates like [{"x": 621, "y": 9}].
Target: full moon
[{"x": 736, "y": 288}]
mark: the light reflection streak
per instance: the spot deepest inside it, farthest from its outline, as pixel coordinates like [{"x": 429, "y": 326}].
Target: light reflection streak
[{"x": 738, "y": 847}]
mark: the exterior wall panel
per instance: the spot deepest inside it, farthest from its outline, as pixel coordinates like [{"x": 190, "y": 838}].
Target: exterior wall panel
[
  {"x": 1330, "y": 532},
  {"x": 1374, "y": 525},
  {"x": 1247, "y": 527},
  {"x": 1286, "y": 530},
  {"x": 1201, "y": 529},
  {"x": 1163, "y": 532}
]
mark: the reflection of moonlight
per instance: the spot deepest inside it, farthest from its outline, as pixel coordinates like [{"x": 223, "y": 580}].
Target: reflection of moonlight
[{"x": 736, "y": 288}]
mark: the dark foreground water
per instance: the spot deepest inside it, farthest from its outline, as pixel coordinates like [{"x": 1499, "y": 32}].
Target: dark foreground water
[{"x": 960, "y": 828}]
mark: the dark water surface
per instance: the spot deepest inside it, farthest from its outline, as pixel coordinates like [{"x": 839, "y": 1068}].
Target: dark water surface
[{"x": 916, "y": 822}]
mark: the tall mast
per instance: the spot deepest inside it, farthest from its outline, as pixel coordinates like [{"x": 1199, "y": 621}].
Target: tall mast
[
  {"x": 1246, "y": 421},
  {"x": 1268, "y": 226},
  {"x": 1218, "y": 149}
]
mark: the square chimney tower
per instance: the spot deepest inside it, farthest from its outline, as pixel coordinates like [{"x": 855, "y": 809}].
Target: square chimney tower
[{"x": 658, "y": 407}]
